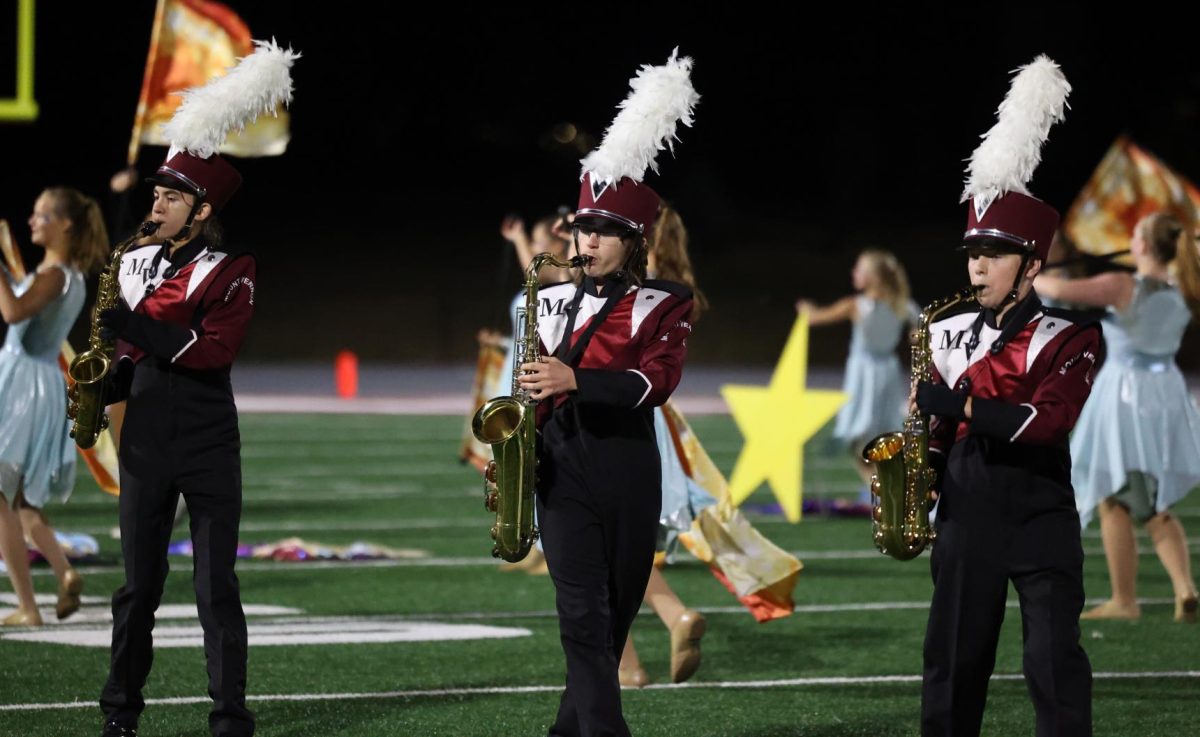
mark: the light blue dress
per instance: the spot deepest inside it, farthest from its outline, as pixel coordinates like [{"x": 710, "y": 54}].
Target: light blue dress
[
  {"x": 682, "y": 498},
  {"x": 36, "y": 452},
  {"x": 1140, "y": 416},
  {"x": 503, "y": 383},
  {"x": 874, "y": 380}
]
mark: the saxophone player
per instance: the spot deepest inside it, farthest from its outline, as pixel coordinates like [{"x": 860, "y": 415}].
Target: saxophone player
[
  {"x": 1011, "y": 377},
  {"x": 186, "y": 303},
  {"x": 614, "y": 346}
]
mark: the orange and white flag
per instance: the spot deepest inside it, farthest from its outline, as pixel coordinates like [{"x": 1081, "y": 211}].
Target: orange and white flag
[{"x": 192, "y": 42}]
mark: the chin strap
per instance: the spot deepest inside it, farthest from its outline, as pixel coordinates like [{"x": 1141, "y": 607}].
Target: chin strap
[{"x": 1016, "y": 287}]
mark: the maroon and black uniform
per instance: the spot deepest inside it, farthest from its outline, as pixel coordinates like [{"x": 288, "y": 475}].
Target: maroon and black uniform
[
  {"x": 180, "y": 436},
  {"x": 600, "y": 490},
  {"x": 1007, "y": 513}
]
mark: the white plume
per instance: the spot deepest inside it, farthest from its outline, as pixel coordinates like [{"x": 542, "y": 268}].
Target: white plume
[
  {"x": 659, "y": 98},
  {"x": 256, "y": 85},
  {"x": 1012, "y": 149}
]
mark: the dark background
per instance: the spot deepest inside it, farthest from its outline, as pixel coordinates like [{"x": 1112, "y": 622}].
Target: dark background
[{"x": 412, "y": 138}]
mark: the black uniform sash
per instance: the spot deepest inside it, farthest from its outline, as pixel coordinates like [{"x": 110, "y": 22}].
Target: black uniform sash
[{"x": 568, "y": 353}]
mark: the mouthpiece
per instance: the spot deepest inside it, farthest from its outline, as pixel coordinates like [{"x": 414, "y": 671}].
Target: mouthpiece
[
  {"x": 578, "y": 262},
  {"x": 147, "y": 228}
]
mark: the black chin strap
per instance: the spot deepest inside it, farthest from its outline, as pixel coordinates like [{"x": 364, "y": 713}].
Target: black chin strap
[
  {"x": 1016, "y": 287},
  {"x": 186, "y": 230}
]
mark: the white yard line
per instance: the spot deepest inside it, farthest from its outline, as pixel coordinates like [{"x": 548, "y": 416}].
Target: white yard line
[
  {"x": 502, "y": 690},
  {"x": 98, "y": 612},
  {"x": 433, "y": 404}
]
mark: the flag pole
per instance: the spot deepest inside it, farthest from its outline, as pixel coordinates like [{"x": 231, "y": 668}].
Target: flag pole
[
  {"x": 12, "y": 256},
  {"x": 155, "y": 32}
]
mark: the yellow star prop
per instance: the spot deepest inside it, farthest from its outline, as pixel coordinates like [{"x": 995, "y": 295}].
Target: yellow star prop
[{"x": 776, "y": 422}]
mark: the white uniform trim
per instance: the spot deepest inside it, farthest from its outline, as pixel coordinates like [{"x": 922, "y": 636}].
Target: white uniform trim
[
  {"x": 183, "y": 349},
  {"x": 208, "y": 261},
  {"x": 1021, "y": 429},
  {"x": 948, "y": 341},
  {"x": 137, "y": 261},
  {"x": 1047, "y": 330},
  {"x": 646, "y": 301},
  {"x": 649, "y": 386},
  {"x": 552, "y": 313},
  {"x": 133, "y": 285}
]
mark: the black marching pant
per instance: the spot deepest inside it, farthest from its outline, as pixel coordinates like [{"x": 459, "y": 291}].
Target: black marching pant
[
  {"x": 211, "y": 487},
  {"x": 979, "y": 549},
  {"x": 598, "y": 535}
]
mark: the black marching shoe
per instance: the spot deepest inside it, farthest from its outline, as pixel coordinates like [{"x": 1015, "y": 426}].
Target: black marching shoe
[{"x": 117, "y": 729}]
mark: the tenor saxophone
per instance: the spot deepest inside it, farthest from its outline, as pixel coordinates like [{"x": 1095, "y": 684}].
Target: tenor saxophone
[
  {"x": 903, "y": 479},
  {"x": 508, "y": 425},
  {"x": 88, "y": 370}
]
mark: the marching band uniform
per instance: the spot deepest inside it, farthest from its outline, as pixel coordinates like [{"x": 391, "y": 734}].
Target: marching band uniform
[
  {"x": 180, "y": 326},
  {"x": 180, "y": 436},
  {"x": 599, "y": 492},
  {"x": 1006, "y": 509}
]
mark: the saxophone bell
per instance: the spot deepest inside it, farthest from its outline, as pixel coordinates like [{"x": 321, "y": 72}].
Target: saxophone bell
[
  {"x": 903, "y": 478},
  {"x": 508, "y": 425}
]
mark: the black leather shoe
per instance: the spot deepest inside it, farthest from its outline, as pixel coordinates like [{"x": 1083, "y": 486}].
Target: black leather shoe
[{"x": 117, "y": 729}]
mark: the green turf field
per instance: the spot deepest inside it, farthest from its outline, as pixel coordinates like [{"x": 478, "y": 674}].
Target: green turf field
[{"x": 846, "y": 663}]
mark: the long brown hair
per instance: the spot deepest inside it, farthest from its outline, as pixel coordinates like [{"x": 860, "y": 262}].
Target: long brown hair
[
  {"x": 669, "y": 243},
  {"x": 893, "y": 279},
  {"x": 1172, "y": 243},
  {"x": 88, "y": 237}
]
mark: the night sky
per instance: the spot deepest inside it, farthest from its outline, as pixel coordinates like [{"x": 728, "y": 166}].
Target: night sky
[{"x": 377, "y": 231}]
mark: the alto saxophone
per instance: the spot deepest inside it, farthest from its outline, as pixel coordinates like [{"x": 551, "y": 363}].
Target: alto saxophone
[
  {"x": 903, "y": 478},
  {"x": 85, "y": 398},
  {"x": 508, "y": 425}
]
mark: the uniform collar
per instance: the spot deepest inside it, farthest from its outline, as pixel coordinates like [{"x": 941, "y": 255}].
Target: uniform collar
[
  {"x": 188, "y": 252},
  {"x": 1020, "y": 314},
  {"x": 1014, "y": 321},
  {"x": 616, "y": 280}
]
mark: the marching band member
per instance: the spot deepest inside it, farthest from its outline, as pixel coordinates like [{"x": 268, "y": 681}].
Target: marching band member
[
  {"x": 186, "y": 304},
  {"x": 1011, "y": 378},
  {"x": 614, "y": 348}
]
